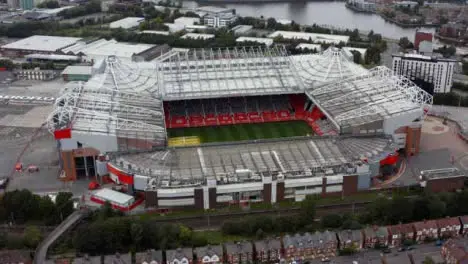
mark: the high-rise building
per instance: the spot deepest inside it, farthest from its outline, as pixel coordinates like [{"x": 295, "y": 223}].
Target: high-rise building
[
  {"x": 421, "y": 36},
  {"x": 432, "y": 74},
  {"x": 14, "y": 4}
]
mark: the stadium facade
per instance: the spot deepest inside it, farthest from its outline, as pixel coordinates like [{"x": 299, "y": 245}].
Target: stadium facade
[{"x": 115, "y": 124}]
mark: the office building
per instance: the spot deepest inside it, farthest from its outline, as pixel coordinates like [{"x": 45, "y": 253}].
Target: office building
[{"x": 432, "y": 74}]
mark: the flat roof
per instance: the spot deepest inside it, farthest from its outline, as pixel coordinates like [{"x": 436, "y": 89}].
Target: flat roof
[
  {"x": 42, "y": 43},
  {"x": 80, "y": 70},
  {"x": 441, "y": 173},
  {"x": 56, "y": 57},
  {"x": 325, "y": 38},
  {"x": 103, "y": 48},
  {"x": 157, "y": 32},
  {"x": 266, "y": 41},
  {"x": 293, "y": 158},
  {"x": 214, "y": 9},
  {"x": 187, "y": 21},
  {"x": 113, "y": 196},
  {"x": 198, "y": 36},
  {"x": 126, "y": 23}
]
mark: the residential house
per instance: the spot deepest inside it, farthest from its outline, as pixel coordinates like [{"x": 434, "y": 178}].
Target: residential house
[
  {"x": 179, "y": 256},
  {"x": 149, "y": 257},
  {"x": 398, "y": 234},
  {"x": 212, "y": 254},
  {"x": 268, "y": 250},
  {"x": 298, "y": 247},
  {"x": 449, "y": 227},
  {"x": 325, "y": 244},
  {"x": 15, "y": 256},
  {"x": 240, "y": 252},
  {"x": 375, "y": 236},
  {"x": 454, "y": 251},
  {"x": 350, "y": 239},
  {"x": 425, "y": 230},
  {"x": 464, "y": 225}
]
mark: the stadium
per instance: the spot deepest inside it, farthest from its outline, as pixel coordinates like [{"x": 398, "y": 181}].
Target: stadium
[{"x": 210, "y": 127}]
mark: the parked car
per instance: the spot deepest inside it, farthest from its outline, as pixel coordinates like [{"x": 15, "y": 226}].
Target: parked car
[
  {"x": 4, "y": 182},
  {"x": 438, "y": 243}
]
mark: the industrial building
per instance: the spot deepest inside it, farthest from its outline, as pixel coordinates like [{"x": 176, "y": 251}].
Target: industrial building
[
  {"x": 314, "y": 37},
  {"x": 433, "y": 74},
  {"x": 127, "y": 23},
  {"x": 115, "y": 125},
  {"x": 37, "y": 44}
]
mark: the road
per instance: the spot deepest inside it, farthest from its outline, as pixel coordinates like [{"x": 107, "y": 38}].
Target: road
[
  {"x": 374, "y": 256},
  {"x": 41, "y": 251}
]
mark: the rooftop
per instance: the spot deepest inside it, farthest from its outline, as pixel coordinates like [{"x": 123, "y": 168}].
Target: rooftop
[
  {"x": 113, "y": 196},
  {"x": 248, "y": 161},
  {"x": 441, "y": 174},
  {"x": 103, "y": 48},
  {"x": 82, "y": 70},
  {"x": 42, "y": 43},
  {"x": 318, "y": 47},
  {"x": 198, "y": 36},
  {"x": 127, "y": 23},
  {"x": 371, "y": 97},
  {"x": 315, "y": 37},
  {"x": 266, "y": 41}
]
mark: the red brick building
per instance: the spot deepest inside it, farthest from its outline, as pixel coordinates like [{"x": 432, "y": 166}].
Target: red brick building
[
  {"x": 375, "y": 236},
  {"x": 240, "y": 252},
  {"x": 454, "y": 252},
  {"x": 397, "y": 234},
  {"x": 425, "y": 230},
  {"x": 449, "y": 227}
]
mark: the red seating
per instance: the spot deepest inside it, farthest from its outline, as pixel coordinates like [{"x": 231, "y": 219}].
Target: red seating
[
  {"x": 196, "y": 120},
  {"x": 241, "y": 118},
  {"x": 231, "y": 111},
  {"x": 211, "y": 120},
  {"x": 269, "y": 116},
  {"x": 283, "y": 115},
  {"x": 225, "y": 119},
  {"x": 254, "y": 117}
]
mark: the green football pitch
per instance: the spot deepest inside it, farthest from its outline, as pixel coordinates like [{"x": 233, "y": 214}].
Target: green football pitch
[{"x": 243, "y": 131}]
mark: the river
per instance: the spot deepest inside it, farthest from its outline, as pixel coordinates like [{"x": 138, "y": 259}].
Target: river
[{"x": 322, "y": 13}]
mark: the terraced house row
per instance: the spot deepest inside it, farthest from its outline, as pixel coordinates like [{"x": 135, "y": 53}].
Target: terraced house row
[{"x": 290, "y": 248}]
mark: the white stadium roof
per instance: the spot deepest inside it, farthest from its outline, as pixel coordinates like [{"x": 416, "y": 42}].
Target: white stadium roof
[
  {"x": 368, "y": 98},
  {"x": 127, "y": 97}
]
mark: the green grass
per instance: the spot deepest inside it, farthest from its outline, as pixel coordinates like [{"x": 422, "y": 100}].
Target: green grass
[
  {"x": 217, "y": 237},
  {"x": 244, "y": 131}
]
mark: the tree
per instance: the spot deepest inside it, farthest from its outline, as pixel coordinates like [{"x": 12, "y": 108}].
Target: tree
[
  {"x": 136, "y": 232},
  {"x": 32, "y": 237},
  {"x": 401, "y": 210},
  {"x": 331, "y": 221},
  {"x": 356, "y": 56},
  {"x": 271, "y": 23},
  {"x": 48, "y": 211},
  {"x": 8, "y": 64},
  {"x": 64, "y": 204},
  {"x": 307, "y": 211},
  {"x": 404, "y": 43},
  {"x": 49, "y": 4}
]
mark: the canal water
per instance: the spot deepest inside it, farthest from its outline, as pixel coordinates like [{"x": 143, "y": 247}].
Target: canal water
[{"x": 322, "y": 13}]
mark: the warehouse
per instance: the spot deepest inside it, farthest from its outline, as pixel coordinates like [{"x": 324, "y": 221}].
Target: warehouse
[
  {"x": 77, "y": 73},
  {"x": 37, "y": 44}
]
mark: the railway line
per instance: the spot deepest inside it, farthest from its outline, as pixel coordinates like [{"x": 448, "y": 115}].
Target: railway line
[{"x": 214, "y": 221}]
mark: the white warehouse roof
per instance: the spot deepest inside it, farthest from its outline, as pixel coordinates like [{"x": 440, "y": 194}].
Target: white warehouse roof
[
  {"x": 114, "y": 197},
  {"x": 187, "y": 21},
  {"x": 127, "y": 23},
  {"x": 325, "y": 38},
  {"x": 198, "y": 36},
  {"x": 266, "y": 41},
  {"x": 42, "y": 43},
  {"x": 102, "y": 48},
  {"x": 80, "y": 70}
]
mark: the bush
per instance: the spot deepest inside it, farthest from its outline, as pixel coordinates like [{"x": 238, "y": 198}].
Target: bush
[{"x": 32, "y": 237}]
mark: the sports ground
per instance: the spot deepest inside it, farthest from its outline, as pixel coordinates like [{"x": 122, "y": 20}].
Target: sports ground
[{"x": 198, "y": 135}]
